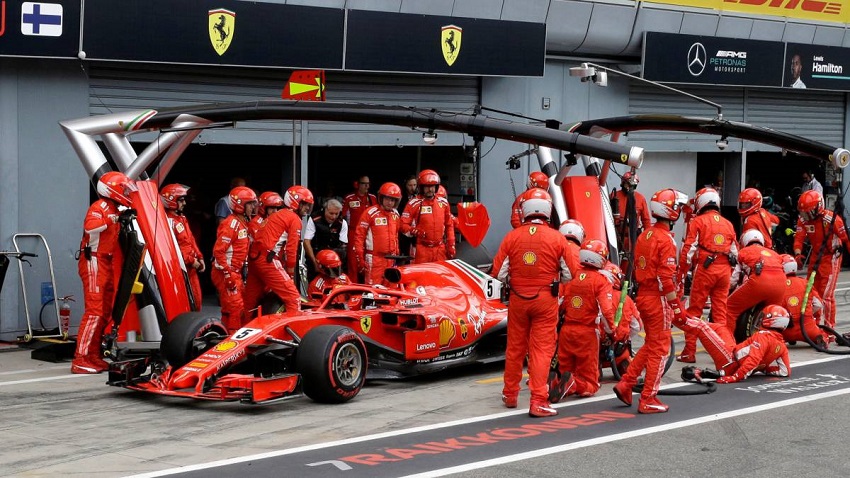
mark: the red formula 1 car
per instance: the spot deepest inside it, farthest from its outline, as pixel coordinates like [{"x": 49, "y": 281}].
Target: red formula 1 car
[{"x": 439, "y": 315}]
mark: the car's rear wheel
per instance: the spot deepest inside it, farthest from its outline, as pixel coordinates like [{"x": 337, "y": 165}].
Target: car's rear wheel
[
  {"x": 332, "y": 362},
  {"x": 189, "y": 335}
]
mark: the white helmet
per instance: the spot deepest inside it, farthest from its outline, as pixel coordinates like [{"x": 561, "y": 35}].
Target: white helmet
[
  {"x": 667, "y": 204},
  {"x": 707, "y": 197},
  {"x": 573, "y": 230},
  {"x": 593, "y": 253},
  {"x": 535, "y": 202},
  {"x": 789, "y": 264},
  {"x": 750, "y": 236}
]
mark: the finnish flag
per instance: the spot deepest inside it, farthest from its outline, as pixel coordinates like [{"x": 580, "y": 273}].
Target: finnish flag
[{"x": 41, "y": 19}]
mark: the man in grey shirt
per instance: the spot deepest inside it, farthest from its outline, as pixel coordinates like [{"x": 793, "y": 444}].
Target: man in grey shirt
[{"x": 810, "y": 183}]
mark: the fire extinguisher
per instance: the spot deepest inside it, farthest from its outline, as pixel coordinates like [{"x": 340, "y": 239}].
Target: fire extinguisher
[{"x": 65, "y": 316}]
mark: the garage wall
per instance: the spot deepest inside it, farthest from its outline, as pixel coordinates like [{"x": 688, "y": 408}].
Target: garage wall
[{"x": 45, "y": 190}]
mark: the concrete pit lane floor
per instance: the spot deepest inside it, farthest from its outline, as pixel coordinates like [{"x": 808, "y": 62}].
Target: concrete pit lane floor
[{"x": 54, "y": 423}]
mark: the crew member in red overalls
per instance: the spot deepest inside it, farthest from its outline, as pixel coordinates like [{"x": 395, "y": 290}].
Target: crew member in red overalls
[
  {"x": 655, "y": 268},
  {"x": 376, "y": 235},
  {"x": 533, "y": 259},
  {"x": 587, "y": 295},
  {"x": 754, "y": 217},
  {"x": 814, "y": 225},
  {"x": 428, "y": 219},
  {"x": 269, "y": 203},
  {"x": 99, "y": 252},
  {"x": 763, "y": 352},
  {"x": 278, "y": 241},
  {"x": 536, "y": 179},
  {"x": 174, "y": 200},
  {"x": 229, "y": 255},
  {"x": 573, "y": 232},
  {"x": 352, "y": 207},
  {"x": 619, "y": 205},
  {"x": 765, "y": 281},
  {"x": 708, "y": 250},
  {"x": 795, "y": 291}
]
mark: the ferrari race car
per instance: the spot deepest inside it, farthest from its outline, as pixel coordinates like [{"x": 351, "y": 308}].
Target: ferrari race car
[{"x": 439, "y": 315}]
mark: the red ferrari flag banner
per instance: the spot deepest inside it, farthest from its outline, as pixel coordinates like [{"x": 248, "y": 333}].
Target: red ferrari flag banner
[
  {"x": 473, "y": 222},
  {"x": 305, "y": 85}
]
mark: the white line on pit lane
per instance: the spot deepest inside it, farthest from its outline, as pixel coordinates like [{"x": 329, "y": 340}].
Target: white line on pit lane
[
  {"x": 436, "y": 426},
  {"x": 28, "y": 370},
  {"x": 625, "y": 435},
  {"x": 43, "y": 379}
]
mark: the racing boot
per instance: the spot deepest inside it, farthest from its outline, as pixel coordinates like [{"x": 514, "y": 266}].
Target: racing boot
[
  {"x": 541, "y": 409},
  {"x": 652, "y": 405},
  {"x": 92, "y": 365},
  {"x": 623, "y": 392},
  {"x": 87, "y": 354},
  {"x": 510, "y": 402}
]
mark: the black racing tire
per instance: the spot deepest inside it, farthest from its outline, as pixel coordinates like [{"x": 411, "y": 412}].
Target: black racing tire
[
  {"x": 624, "y": 365},
  {"x": 747, "y": 323},
  {"x": 332, "y": 362},
  {"x": 189, "y": 335}
]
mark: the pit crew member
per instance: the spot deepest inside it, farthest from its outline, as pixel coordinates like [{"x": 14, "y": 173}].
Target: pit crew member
[
  {"x": 174, "y": 199},
  {"x": 765, "y": 281},
  {"x": 376, "y": 235},
  {"x": 754, "y": 217},
  {"x": 230, "y": 254},
  {"x": 353, "y": 206},
  {"x": 428, "y": 220}
]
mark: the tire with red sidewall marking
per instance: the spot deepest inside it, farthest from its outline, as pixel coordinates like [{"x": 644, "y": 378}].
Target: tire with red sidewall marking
[
  {"x": 189, "y": 335},
  {"x": 332, "y": 362}
]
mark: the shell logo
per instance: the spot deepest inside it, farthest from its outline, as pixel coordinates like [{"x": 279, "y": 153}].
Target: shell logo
[
  {"x": 447, "y": 332},
  {"x": 225, "y": 346},
  {"x": 641, "y": 262},
  {"x": 719, "y": 239},
  {"x": 793, "y": 301},
  {"x": 576, "y": 302},
  {"x": 529, "y": 258}
]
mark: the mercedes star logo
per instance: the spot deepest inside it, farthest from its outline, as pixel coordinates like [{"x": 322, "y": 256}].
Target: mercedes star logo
[{"x": 696, "y": 59}]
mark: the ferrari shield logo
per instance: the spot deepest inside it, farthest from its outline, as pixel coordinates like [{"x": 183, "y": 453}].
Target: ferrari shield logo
[
  {"x": 221, "y": 26},
  {"x": 450, "y": 40},
  {"x": 366, "y": 324}
]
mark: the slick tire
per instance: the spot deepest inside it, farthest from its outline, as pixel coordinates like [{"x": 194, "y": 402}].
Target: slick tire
[
  {"x": 189, "y": 335},
  {"x": 747, "y": 324},
  {"x": 332, "y": 362}
]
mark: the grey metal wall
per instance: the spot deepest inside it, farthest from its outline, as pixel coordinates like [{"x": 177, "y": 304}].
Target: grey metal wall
[
  {"x": 117, "y": 87},
  {"x": 44, "y": 190}
]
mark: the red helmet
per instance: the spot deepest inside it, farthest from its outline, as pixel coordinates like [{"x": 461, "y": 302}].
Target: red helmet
[
  {"x": 631, "y": 178},
  {"x": 572, "y": 230},
  {"x": 668, "y": 204},
  {"x": 296, "y": 195},
  {"x": 329, "y": 261},
  {"x": 614, "y": 274},
  {"x": 170, "y": 193},
  {"x": 789, "y": 264},
  {"x": 428, "y": 177},
  {"x": 538, "y": 179},
  {"x": 239, "y": 196},
  {"x": 269, "y": 199},
  {"x": 706, "y": 197},
  {"x": 390, "y": 190},
  {"x": 116, "y": 186},
  {"x": 441, "y": 192},
  {"x": 593, "y": 253},
  {"x": 535, "y": 203},
  {"x": 774, "y": 317},
  {"x": 810, "y": 205},
  {"x": 749, "y": 201}
]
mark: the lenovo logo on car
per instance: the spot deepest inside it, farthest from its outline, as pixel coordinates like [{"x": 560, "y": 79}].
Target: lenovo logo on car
[
  {"x": 424, "y": 347},
  {"x": 731, "y": 54}
]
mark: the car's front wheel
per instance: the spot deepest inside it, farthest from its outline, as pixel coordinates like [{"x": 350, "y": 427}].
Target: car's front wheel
[
  {"x": 189, "y": 335},
  {"x": 332, "y": 362}
]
